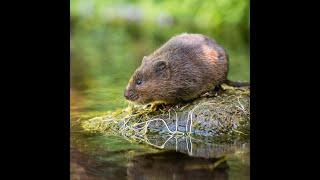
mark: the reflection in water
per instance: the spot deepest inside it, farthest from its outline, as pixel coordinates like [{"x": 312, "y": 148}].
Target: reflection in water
[
  {"x": 175, "y": 165},
  {"x": 195, "y": 147},
  {"x": 111, "y": 157},
  {"x": 163, "y": 165},
  {"x": 88, "y": 167}
]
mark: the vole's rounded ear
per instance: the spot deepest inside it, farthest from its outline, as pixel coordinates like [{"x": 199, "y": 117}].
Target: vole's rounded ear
[{"x": 160, "y": 66}]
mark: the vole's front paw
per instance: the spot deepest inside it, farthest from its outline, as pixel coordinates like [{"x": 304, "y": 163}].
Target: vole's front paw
[{"x": 155, "y": 106}]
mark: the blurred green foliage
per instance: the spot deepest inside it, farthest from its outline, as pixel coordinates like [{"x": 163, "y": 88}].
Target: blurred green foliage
[{"x": 109, "y": 39}]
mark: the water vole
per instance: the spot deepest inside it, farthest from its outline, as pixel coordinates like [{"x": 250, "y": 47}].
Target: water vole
[{"x": 182, "y": 69}]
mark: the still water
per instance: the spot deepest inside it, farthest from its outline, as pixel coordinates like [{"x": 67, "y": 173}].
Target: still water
[{"x": 98, "y": 156}]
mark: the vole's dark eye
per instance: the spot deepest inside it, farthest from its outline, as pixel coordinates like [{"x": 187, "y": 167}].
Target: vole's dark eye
[{"x": 138, "y": 82}]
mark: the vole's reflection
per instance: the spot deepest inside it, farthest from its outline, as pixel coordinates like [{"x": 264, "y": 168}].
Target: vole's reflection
[
  {"x": 161, "y": 165},
  {"x": 176, "y": 165}
]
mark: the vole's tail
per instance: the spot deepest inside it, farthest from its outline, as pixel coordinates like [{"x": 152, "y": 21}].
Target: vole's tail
[{"x": 236, "y": 84}]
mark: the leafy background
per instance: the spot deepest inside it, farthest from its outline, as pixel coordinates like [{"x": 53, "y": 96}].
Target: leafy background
[{"x": 109, "y": 39}]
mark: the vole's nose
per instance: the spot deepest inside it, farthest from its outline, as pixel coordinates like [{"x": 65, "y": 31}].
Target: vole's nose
[{"x": 128, "y": 94}]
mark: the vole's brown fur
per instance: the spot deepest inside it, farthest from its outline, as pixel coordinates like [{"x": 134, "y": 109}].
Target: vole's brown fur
[{"x": 185, "y": 67}]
